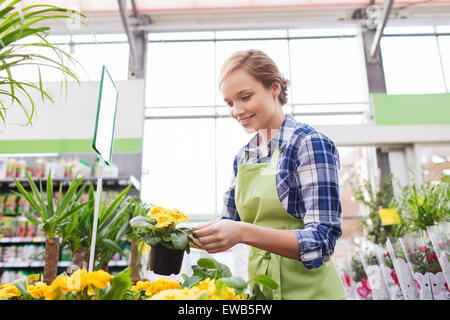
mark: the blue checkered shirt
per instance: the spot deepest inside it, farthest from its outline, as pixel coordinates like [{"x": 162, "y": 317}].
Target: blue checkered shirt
[{"x": 307, "y": 185}]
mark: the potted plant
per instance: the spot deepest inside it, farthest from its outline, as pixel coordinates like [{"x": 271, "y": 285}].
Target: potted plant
[
  {"x": 51, "y": 215},
  {"x": 371, "y": 225},
  {"x": 424, "y": 205},
  {"x": 112, "y": 229},
  {"x": 23, "y": 38},
  {"x": 168, "y": 241},
  {"x": 136, "y": 207}
]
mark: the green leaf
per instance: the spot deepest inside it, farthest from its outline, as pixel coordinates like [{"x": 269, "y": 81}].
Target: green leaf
[
  {"x": 120, "y": 283},
  {"x": 256, "y": 293},
  {"x": 191, "y": 281},
  {"x": 179, "y": 240},
  {"x": 152, "y": 240},
  {"x": 237, "y": 283},
  {"x": 203, "y": 273},
  {"x": 142, "y": 222},
  {"x": 221, "y": 269},
  {"x": 114, "y": 246},
  {"x": 265, "y": 280},
  {"x": 22, "y": 287}
]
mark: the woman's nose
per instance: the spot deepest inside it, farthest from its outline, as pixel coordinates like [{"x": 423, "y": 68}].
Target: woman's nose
[{"x": 238, "y": 111}]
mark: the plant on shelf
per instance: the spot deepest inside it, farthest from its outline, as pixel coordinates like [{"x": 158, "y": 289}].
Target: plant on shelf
[
  {"x": 424, "y": 205},
  {"x": 24, "y": 43},
  {"x": 168, "y": 241},
  {"x": 51, "y": 215},
  {"x": 371, "y": 224}
]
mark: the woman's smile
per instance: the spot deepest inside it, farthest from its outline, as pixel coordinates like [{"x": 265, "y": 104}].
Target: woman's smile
[{"x": 246, "y": 121}]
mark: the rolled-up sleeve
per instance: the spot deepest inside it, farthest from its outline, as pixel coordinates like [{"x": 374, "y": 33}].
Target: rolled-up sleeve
[
  {"x": 229, "y": 210},
  {"x": 317, "y": 178}
]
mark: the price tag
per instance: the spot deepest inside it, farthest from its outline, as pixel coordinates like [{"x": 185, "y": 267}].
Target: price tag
[
  {"x": 389, "y": 216},
  {"x": 33, "y": 278}
]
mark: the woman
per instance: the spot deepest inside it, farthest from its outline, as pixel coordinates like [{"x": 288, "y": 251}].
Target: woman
[{"x": 284, "y": 198}]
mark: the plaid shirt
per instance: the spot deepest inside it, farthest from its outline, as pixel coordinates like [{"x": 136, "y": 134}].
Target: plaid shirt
[{"x": 307, "y": 185}]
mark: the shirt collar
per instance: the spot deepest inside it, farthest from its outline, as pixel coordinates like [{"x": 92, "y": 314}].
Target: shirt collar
[{"x": 281, "y": 138}]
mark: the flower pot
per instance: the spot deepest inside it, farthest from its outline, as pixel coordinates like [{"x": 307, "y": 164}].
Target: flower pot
[{"x": 165, "y": 261}]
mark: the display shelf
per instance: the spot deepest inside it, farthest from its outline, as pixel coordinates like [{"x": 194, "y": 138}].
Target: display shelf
[
  {"x": 108, "y": 182},
  {"x": 62, "y": 264},
  {"x": 13, "y": 240}
]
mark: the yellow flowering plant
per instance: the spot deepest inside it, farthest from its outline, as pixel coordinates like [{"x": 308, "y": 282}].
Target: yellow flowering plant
[
  {"x": 144, "y": 290},
  {"x": 212, "y": 280},
  {"x": 80, "y": 285},
  {"x": 162, "y": 226}
]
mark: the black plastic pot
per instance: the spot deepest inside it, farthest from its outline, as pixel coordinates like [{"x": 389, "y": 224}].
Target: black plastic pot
[{"x": 165, "y": 261}]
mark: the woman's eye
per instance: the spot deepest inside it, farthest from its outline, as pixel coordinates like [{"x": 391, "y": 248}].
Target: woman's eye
[
  {"x": 245, "y": 98},
  {"x": 229, "y": 104}
]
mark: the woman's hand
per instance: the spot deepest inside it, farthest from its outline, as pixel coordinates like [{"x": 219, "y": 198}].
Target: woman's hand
[{"x": 218, "y": 235}]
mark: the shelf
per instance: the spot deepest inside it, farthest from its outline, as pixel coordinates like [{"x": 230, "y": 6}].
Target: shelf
[
  {"x": 62, "y": 264},
  {"x": 13, "y": 240},
  {"x": 108, "y": 182}
]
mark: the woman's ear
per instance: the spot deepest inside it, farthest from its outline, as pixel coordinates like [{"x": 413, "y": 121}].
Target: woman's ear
[{"x": 276, "y": 89}]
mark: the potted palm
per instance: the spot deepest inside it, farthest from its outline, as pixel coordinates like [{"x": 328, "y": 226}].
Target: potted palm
[
  {"x": 23, "y": 38},
  {"x": 136, "y": 207},
  {"x": 51, "y": 215},
  {"x": 168, "y": 241},
  {"x": 112, "y": 227}
]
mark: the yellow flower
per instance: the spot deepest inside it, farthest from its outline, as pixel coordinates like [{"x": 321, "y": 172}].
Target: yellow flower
[
  {"x": 174, "y": 294},
  {"x": 9, "y": 291},
  {"x": 166, "y": 217},
  {"x": 140, "y": 285},
  {"x": 78, "y": 280},
  {"x": 160, "y": 285},
  {"x": 37, "y": 290},
  {"x": 206, "y": 286},
  {"x": 99, "y": 279}
]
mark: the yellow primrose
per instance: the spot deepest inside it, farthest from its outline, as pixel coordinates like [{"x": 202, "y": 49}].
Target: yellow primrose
[
  {"x": 78, "y": 280},
  {"x": 140, "y": 285},
  {"x": 160, "y": 285},
  {"x": 99, "y": 279},
  {"x": 9, "y": 291},
  {"x": 37, "y": 290},
  {"x": 174, "y": 294}
]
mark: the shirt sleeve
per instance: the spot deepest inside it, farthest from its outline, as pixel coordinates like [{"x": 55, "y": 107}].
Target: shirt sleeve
[
  {"x": 317, "y": 178},
  {"x": 229, "y": 210}
]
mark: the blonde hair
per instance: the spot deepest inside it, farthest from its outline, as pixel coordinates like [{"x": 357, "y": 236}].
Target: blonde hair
[{"x": 260, "y": 66}]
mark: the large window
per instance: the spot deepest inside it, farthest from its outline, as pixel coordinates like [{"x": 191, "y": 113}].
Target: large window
[
  {"x": 190, "y": 140},
  {"x": 416, "y": 60},
  {"x": 89, "y": 52}
]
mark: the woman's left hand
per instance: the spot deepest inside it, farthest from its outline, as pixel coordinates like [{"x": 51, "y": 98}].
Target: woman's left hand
[{"x": 218, "y": 235}]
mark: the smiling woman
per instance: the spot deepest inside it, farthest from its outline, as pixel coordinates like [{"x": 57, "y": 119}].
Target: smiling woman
[{"x": 284, "y": 197}]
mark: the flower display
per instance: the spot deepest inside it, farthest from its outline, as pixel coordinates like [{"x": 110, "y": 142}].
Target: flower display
[
  {"x": 204, "y": 290},
  {"x": 217, "y": 283},
  {"x": 9, "y": 291},
  {"x": 143, "y": 290}
]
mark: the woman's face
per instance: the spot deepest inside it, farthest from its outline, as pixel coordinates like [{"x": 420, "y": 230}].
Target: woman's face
[{"x": 250, "y": 103}]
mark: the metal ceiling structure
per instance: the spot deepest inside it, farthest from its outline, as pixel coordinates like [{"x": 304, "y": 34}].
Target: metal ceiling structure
[{"x": 203, "y": 15}]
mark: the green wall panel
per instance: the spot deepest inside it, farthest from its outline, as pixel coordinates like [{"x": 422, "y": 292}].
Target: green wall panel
[
  {"x": 411, "y": 109},
  {"x": 65, "y": 145}
]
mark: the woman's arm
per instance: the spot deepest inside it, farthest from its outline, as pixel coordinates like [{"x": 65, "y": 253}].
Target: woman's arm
[{"x": 220, "y": 235}]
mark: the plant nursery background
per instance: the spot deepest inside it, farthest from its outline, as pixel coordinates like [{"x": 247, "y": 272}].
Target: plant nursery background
[{"x": 372, "y": 76}]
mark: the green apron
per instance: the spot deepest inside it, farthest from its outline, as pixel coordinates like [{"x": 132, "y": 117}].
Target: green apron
[{"x": 257, "y": 202}]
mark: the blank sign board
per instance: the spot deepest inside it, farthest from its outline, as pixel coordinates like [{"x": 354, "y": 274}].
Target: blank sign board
[{"x": 106, "y": 115}]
